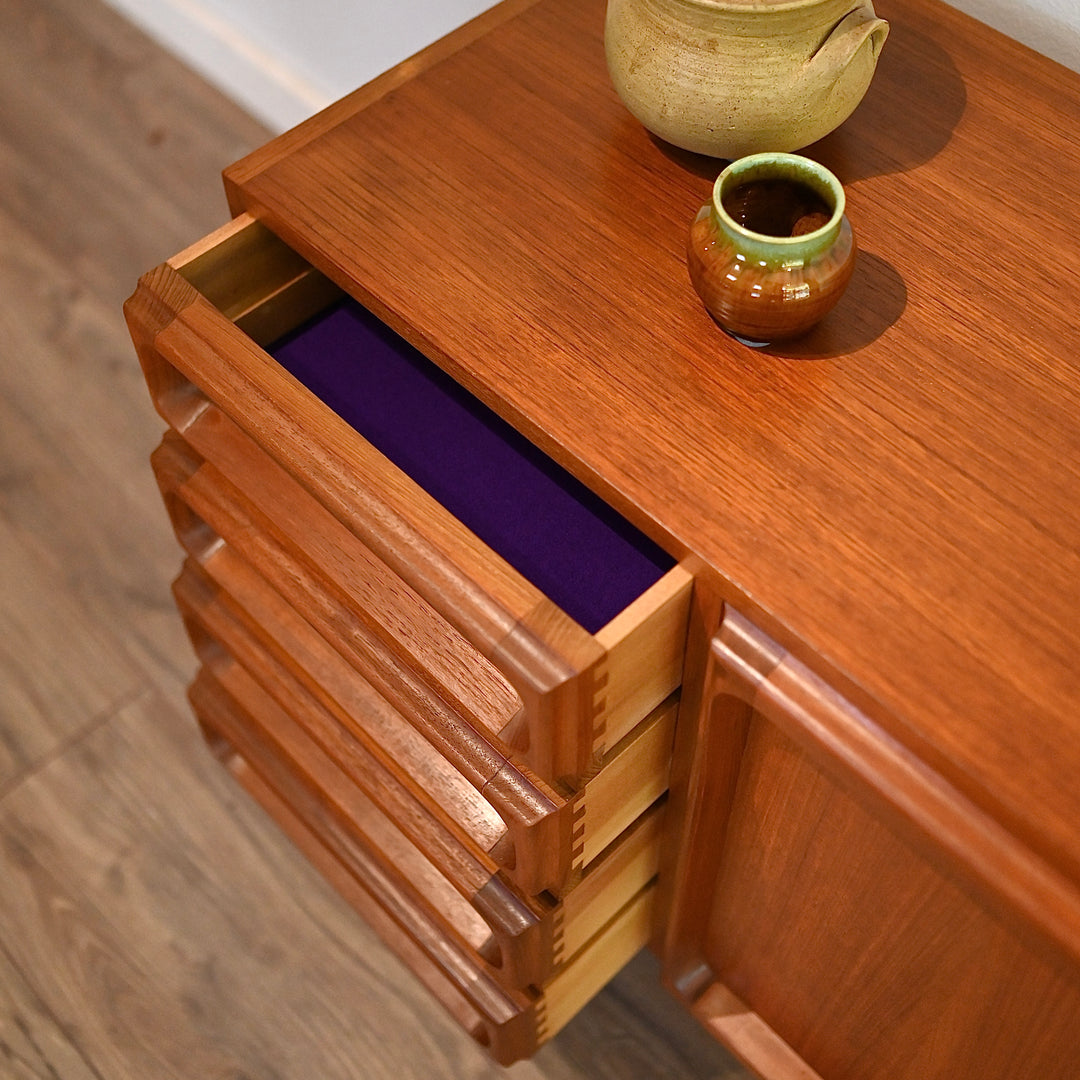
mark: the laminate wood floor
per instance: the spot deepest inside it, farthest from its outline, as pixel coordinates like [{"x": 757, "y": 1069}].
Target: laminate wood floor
[{"x": 153, "y": 923}]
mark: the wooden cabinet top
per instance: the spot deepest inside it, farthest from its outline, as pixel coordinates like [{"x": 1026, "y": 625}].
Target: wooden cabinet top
[{"x": 895, "y": 498}]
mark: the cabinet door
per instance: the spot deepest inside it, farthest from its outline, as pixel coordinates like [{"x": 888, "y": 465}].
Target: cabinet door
[{"x": 839, "y": 911}]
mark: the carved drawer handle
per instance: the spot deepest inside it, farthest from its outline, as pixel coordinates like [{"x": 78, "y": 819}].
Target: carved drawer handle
[
  {"x": 413, "y": 672},
  {"x": 507, "y": 1020}
]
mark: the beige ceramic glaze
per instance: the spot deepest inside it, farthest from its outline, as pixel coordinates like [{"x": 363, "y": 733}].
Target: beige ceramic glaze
[{"x": 734, "y": 77}]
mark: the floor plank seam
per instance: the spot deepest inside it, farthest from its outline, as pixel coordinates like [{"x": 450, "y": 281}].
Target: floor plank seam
[
  {"x": 155, "y": 922},
  {"x": 74, "y": 738},
  {"x": 43, "y": 1004}
]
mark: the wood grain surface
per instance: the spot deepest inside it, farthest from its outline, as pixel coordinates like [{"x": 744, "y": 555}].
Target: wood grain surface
[
  {"x": 153, "y": 923},
  {"x": 883, "y": 968},
  {"x": 893, "y": 498},
  {"x": 822, "y": 917}
]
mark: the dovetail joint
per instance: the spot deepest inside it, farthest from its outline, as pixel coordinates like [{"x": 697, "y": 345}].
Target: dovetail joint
[
  {"x": 542, "y": 1026},
  {"x": 599, "y": 705},
  {"x": 577, "y": 839},
  {"x": 558, "y": 938}
]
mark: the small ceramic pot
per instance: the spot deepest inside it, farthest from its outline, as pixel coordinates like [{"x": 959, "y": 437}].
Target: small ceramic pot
[
  {"x": 773, "y": 252},
  {"x": 734, "y": 77}
]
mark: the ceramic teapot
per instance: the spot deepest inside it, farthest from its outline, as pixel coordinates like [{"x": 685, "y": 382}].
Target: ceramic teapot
[{"x": 729, "y": 78}]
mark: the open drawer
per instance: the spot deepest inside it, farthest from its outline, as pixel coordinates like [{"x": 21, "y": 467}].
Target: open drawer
[
  {"x": 202, "y": 325},
  {"x": 235, "y": 710},
  {"x": 373, "y": 800},
  {"x": 538, "y": 837}
]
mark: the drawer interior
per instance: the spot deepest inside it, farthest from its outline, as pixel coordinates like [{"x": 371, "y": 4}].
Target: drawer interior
[
  {"x": 552, "y": 529},
  {"x": 540, "y": 519}
]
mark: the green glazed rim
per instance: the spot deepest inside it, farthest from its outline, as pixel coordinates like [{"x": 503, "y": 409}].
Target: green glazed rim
[{"x": 775, "y": 166}]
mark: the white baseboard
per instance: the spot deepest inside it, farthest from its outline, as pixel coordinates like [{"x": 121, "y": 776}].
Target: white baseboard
[{"x": 263, "y": 84}]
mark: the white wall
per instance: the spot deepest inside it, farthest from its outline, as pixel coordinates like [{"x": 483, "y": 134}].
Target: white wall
[
  {"x": 1049, "y": 26},
  {"x": 284, "y": 59}
]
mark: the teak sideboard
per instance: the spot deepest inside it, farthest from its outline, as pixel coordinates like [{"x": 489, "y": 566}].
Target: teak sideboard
[{"x": 550, "y": 622}]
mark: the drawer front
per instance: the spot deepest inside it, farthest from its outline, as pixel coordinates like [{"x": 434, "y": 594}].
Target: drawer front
[
  {"x": 631, "y": 778},
  {"x": 206, "y": 508},
  {"x": 511, "y": 1026},
  {"x": 581, "y": 692},
  {"x": 240, "y": 719},
  {"x": 525, "y": 939},
  {"x": 546, "y": 839},
  {"x": 504, "y": 1023}
]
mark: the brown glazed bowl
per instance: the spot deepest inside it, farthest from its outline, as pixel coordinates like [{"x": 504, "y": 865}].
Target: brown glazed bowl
[{"x": 772, "y": 253}]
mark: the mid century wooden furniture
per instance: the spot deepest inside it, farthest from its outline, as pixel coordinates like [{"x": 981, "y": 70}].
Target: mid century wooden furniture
[{"x": 850, "y": 648}]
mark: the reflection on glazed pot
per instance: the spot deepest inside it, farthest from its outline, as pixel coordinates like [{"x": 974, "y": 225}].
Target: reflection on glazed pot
[
  {"x": 773, "y": 252},
  {"x": 734, "y": 77}
]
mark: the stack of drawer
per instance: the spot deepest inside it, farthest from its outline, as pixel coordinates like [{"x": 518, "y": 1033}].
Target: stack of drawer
[{"x": 478, "y": 763}]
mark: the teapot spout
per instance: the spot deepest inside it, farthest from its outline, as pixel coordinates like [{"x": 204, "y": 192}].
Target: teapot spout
[{"x": 857, "y": 29}]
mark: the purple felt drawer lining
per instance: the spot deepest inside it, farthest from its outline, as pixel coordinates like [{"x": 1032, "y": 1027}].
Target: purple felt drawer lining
[{"x": 555, "y": 532}]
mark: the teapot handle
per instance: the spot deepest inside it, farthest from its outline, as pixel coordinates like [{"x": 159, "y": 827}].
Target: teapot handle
[{"x": 848, "y": 37}]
